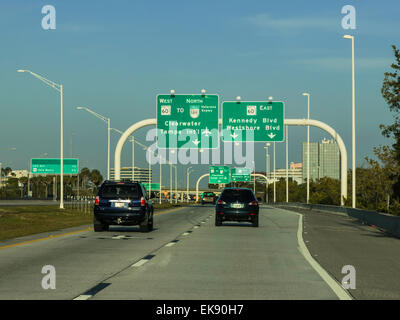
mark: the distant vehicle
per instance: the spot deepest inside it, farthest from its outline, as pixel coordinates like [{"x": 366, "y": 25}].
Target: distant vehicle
[
  {"x": 237, "y": 204},
  {"x": 122, "y": 203},
  {"x": 208, "y": 197}
]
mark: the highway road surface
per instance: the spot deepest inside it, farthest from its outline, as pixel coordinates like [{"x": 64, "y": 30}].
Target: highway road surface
[{"x": 185, "y": 257}]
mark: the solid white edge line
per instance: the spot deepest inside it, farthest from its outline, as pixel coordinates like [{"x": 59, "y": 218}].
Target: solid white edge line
[
  {"x": 331, "y": 282},
  {"x": 83, "y": 297}
]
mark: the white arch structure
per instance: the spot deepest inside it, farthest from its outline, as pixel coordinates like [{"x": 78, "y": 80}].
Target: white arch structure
[{"x": 288, "y": 122}]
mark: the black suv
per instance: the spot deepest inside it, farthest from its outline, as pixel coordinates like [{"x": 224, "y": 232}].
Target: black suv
[
  {"x": 122, "y": 203},
  {"x": 237, "y": 204}
]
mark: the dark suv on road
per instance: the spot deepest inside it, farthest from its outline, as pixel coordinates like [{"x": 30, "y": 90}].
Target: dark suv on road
[
  {"x": 122, "y": 203},
  {"x": 237, "y": 204}
]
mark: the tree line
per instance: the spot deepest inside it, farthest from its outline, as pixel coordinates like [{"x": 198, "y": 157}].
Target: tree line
[{"x": 86, "y": 183}]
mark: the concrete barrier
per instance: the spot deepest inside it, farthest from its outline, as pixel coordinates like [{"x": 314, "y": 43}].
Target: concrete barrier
[{"x": 386, "y": 222}]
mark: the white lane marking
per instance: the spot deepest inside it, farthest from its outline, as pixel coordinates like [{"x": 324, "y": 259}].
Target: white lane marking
[
  {"x": 170, "y": 244},
  {"x": 331, "y": 282},
  {"x": 195, "y": 227},
  {"x": 185, "y": 234},
  {"x": 140, "y": 263},
  {"x": 118, "y": 237},
  {"x": 83, "y": 297}
]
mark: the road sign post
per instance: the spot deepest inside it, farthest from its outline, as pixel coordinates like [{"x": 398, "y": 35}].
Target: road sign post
[
  {"x": 218, "y": 174},
  {"x": 253, "y": 121},
  {"x": 187, "y": 121}
]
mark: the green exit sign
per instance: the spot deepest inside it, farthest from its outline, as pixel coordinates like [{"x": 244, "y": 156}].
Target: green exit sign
[
  {"x": 253, "y": 121},
  {"x": 240, "y": 174},
  {"x": 53, "y": 166},
  {"x": 154, "y": 186},
  {"x": 218, "y": 174},
  {"x": 187, "y": 121}
]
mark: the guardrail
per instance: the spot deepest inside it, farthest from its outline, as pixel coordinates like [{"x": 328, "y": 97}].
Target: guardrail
[{"x": 386, "y": 222}]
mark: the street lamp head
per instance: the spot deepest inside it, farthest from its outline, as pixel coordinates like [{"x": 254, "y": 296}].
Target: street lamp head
[
  {"x": 20, "y": 70},
  {"x": 306, "y": 94},
  {"x": 203, "y": 91},
  {"x": 346, "y": 36},
  {"x": 270, "y": 98},
  {"x": 268, "y": 144},
  {"x": 172, "y": 92},
  {"x": 79, "y": 108}
]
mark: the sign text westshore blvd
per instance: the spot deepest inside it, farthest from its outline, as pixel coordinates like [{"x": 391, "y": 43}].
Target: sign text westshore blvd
[{"x": 253, "y": 121}]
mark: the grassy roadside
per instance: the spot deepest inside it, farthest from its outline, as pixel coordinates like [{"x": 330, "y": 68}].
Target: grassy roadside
[{"x": 19, "y": 221}]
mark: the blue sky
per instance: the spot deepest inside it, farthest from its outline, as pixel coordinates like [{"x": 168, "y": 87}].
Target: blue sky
[{"x": 115, "y": 57}]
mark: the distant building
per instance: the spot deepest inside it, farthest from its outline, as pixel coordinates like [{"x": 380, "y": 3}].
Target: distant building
[
  {"x": 18, "y": 174},
  {"x": 141, "y": 174},
  {"x": 324, "y": 160},
  {"x": 295, "y": 173}
]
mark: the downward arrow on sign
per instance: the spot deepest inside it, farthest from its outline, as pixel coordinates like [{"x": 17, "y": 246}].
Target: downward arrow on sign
[{"x": 271, "y": 135}]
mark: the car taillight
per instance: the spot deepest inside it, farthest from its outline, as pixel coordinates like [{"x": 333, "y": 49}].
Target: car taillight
[
  {"x": 221, "y": 202},
  {"x": 253, "y": 203},
  {"x": 142, "y": 202},
  {"x": 97, "y": 201}
]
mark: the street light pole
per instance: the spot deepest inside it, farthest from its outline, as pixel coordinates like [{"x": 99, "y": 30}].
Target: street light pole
[
  {"x": 308, "y": 147},
  {"x": 187, "y": 183},
  {"x": 267, "y": 169},
  {"x": 274, "y": 175},
  {"x": 176, "y": 184},
  {"x": 170, "y": 183},
  {"x": 59, "y": 88},
  {"x": 287, "y": 168},
  {"x": 353, "y": 122}
]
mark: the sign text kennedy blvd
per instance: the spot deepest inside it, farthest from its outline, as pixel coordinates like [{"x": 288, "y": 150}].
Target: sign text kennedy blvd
[
  {"x": 253, "y": 121},
  {"x": 187, "y": 121}
]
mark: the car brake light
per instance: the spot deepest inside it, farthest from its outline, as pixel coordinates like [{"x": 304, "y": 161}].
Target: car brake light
[
  {"x": 221, "y": 202},
  {"x": 253, "y": 203},
  {"x": 142, "y": 202},
  {"x": 97, "y": 201}
]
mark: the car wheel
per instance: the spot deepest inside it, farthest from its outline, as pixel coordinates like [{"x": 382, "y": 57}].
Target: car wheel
[
  {"x": 218, "y": 221},
  {"x": 151, "y": 223},
  {"x": 98, "y": 226},
  {"x": 255, "y": 222},
  {"x": 144, "y": 226}
]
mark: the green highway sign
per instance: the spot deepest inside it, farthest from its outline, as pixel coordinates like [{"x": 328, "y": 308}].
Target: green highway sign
[
  {"x": 253, "y": 121},
  {"x": 187, "y": 121},
  {"x": 53, "y": 166},
  {"x": 154, "y": 186},
  {"x": 218, "y": 174},
  {"x": 240, "y": 174}
]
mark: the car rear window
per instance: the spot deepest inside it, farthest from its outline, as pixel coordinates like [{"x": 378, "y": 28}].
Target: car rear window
[
  {"x": 120, "y": 192},
  {"x": 209, "y": 194},
  {"x": 233, "y": 195}
]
